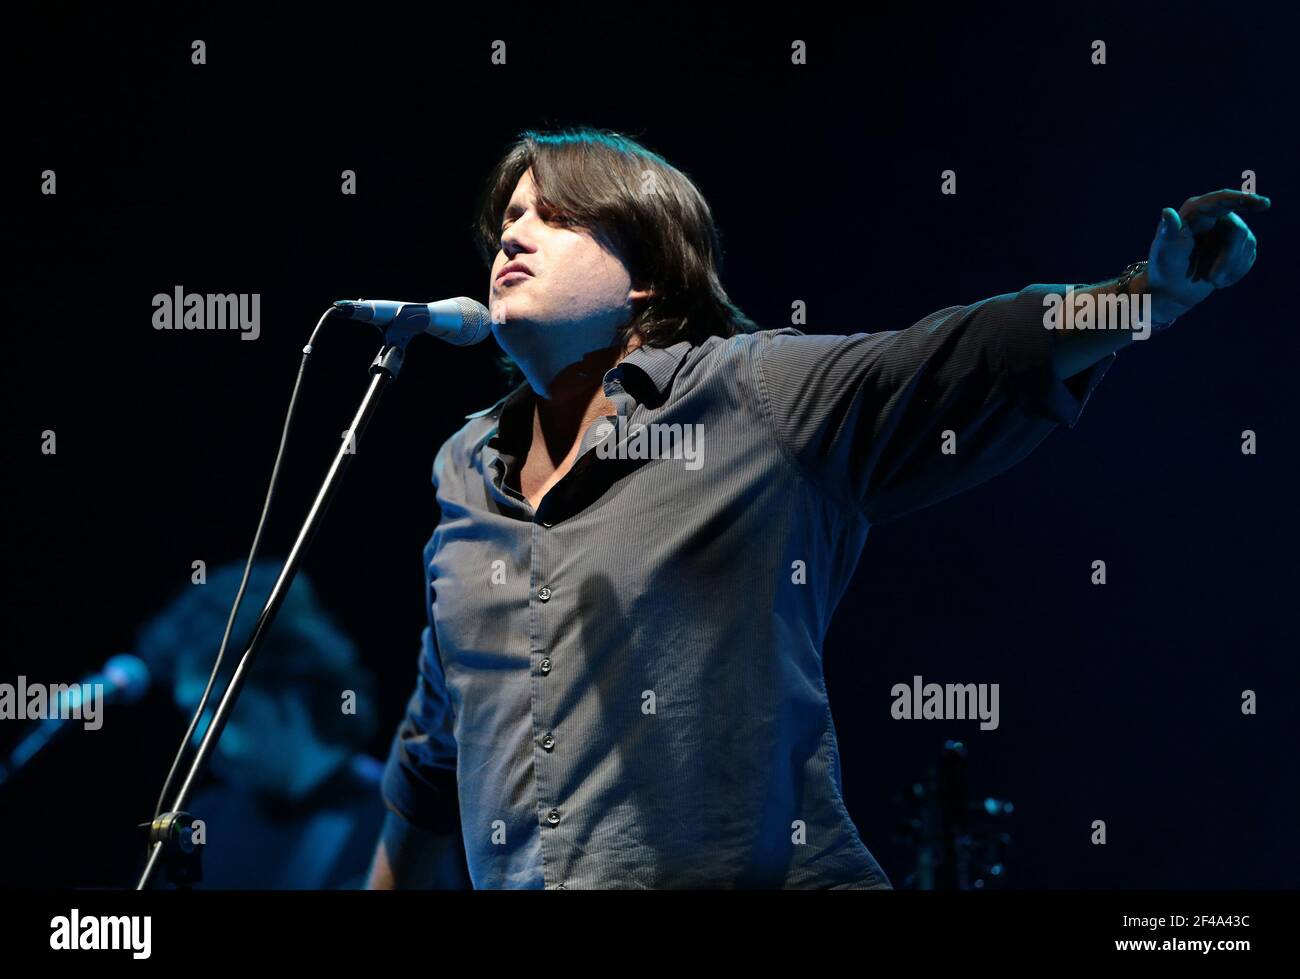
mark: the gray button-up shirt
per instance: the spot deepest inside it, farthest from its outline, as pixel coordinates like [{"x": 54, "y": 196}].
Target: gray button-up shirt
[{"x": 623, "y": 687}]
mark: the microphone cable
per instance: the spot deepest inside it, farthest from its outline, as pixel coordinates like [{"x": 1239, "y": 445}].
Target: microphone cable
[{"x": 248, "y": 567}]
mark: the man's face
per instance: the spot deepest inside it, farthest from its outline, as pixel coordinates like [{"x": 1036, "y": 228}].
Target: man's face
[{"x": 572, "y": 299}]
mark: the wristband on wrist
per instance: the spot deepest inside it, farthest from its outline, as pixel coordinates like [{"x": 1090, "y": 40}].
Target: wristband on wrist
[{"x": 1127, "y": 276}]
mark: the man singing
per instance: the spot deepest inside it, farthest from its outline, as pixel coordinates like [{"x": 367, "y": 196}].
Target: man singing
[{"x": 620, "y": 685}]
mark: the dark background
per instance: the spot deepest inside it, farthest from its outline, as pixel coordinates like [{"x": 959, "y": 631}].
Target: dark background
[{"x": 1119, "y": 702}]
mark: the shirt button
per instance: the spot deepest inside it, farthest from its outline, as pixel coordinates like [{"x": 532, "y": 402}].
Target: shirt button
[
  {"x": 546, "y": 664},
  {"x": 553, "y": 816},
  {"x": 544, "y": 594},
  {"x": 548, "y": 742},
  {"x": 546, "y": 523}
]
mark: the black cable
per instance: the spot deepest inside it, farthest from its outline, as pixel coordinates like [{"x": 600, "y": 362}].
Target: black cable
[{"x": 252, "y": 557}]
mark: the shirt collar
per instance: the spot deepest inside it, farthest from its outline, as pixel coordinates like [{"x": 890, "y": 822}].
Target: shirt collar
[{"x": 658, "y": 365}]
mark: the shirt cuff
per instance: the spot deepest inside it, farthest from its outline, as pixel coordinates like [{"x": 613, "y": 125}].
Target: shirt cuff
[
  {"x": 1027, "y": 359},
  {"x": 424, "y": 797}
]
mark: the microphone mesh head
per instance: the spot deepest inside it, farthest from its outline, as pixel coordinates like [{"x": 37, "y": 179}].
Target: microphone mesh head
[{"x": 476, "y": 322}]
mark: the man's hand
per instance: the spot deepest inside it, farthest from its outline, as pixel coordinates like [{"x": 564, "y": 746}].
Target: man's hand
[
  {"x": 408, "y": 857},
  {"x": 1201, "y": 247}
]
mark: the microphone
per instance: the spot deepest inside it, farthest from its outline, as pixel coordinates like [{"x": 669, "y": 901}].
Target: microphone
[
  {"x": 459, "y": 321},
  {"x": 125, "y": 679}
]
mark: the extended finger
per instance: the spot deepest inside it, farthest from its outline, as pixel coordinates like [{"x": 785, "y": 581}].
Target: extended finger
[{"x": 1201, "y": 212}]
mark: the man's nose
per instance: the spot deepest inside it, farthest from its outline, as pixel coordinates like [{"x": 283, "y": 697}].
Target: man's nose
[
  {"x": 514, "y": 241},
  {"x": 511, "y": 245}
]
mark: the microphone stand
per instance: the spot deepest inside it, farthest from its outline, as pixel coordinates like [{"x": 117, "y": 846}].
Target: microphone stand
[{"x": 170, "y": 834}]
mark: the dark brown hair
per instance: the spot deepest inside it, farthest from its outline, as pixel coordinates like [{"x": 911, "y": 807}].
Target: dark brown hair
[{"x": 636, "y": 201}]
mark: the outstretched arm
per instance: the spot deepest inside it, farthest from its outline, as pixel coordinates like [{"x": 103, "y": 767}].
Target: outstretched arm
[{"x": 889, "y": 422}]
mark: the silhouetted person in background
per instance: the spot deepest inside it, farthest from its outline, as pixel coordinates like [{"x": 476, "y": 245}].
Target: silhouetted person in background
[{"x": 295, "y": 804}]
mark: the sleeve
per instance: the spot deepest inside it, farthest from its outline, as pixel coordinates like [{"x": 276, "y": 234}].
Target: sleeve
[
  {"x": 419, "y": 781},
  {"x": 891, "y": 422}
]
